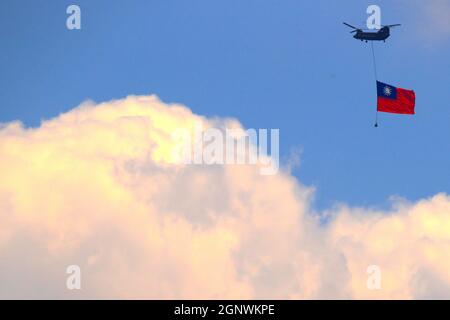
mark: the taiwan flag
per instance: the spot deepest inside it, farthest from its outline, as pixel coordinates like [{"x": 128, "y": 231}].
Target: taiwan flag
[{"x": 395, "y": 100}]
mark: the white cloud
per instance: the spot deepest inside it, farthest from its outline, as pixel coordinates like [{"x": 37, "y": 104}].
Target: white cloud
[{"x": 98, "y": 187}]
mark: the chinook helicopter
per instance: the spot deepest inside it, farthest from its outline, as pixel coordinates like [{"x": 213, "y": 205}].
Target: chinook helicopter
[{"x": 381, "y": 35}]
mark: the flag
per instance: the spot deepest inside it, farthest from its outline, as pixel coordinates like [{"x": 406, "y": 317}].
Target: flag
[{"x": 395, "y": 100}]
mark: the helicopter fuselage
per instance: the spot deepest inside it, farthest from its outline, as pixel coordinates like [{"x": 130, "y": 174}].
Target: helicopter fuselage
[{"x": 380, "y": 35}]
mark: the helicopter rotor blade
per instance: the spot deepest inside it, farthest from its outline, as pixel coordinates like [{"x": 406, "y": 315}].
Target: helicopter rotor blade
[
  {"x": 388, "y": 25},
  {"x": 393, "y": 25},
  {"x": 349, "y": 25},
  {"x": 354, "y": 31}
]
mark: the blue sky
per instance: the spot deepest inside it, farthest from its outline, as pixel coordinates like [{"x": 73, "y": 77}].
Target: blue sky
[{"x": 290, "y": 65}]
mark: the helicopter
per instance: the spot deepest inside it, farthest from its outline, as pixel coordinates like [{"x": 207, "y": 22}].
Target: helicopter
[{"x": 381, "y": 35}]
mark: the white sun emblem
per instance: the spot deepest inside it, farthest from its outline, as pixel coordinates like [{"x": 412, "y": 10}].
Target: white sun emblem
[{"x": 387, "y": 91}]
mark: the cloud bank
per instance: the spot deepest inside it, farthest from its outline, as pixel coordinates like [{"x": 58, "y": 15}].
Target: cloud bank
[{"x": 99, "y": 187}]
